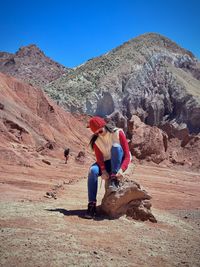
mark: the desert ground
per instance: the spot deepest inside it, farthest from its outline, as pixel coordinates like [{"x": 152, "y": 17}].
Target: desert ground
[{"x": 40, "y": 230}]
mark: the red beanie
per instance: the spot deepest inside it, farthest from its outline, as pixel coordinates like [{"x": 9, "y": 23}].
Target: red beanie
[{"x": 96, "y": 123}]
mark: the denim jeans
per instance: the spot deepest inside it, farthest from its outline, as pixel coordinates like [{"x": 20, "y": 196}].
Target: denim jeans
[{"x": 112, "y": 166}]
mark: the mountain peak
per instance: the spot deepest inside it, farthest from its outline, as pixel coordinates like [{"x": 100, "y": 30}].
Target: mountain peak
[
  {"x": 157, "y": 39},
  {"x": 29, "y": 63},
  {"x": 29, "y": 50}
]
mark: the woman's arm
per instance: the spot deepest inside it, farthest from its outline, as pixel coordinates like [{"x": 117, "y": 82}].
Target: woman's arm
[{"x": 125, "y": 147}]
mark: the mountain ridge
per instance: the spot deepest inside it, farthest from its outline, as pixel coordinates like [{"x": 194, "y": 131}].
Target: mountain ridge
[
  {"x": 149, "y": 76},
  {"x": 31, "y": 65},
  {"x": 131, "y": 77}
]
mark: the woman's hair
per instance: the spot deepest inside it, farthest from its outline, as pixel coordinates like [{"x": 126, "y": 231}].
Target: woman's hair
[{"x": 109, "y": 127}]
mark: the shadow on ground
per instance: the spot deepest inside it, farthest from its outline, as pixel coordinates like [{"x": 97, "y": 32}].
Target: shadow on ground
[{"x": 79, "y": 213}]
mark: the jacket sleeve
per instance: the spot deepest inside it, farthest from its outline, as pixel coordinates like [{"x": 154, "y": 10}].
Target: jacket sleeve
[
  {"x": 99, "y": 157},
  {"x": 125, "y": 147}
]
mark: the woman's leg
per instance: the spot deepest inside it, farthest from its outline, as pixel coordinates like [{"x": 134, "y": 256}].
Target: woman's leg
[
  {"x": 117, "y": 154},
  {"x": 93, "y": 182}
]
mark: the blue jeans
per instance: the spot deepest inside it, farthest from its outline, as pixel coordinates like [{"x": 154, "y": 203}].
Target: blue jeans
[{"x": 112, "y": 166}]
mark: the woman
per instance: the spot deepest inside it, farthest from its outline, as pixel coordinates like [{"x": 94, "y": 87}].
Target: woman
[{"x": 112, "y": 159}]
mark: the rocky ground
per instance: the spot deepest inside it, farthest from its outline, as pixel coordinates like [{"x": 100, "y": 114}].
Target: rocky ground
[{"x": 42, "y": 230}]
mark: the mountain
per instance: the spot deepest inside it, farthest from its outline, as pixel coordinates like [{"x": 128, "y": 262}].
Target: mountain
[
  {"x": 30, "y": 64},
  {"x": 149, "y": 76},
  {"x": 32, "y": 126}
]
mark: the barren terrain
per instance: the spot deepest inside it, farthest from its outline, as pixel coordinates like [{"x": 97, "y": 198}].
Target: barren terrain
[{"x": 42, "y": 231}]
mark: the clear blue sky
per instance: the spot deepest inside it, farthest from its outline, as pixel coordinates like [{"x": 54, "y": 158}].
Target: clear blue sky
[{"x": 71, "y": 32}]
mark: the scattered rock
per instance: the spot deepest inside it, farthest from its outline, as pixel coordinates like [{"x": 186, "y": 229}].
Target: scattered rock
[
  {"x": 57, "y": 186},
  {"x": 80, "y": 158},
  {"x": 51, "y": 195},
  {"x": 66, "y": 182},
  {"x": 46, "y": 161}
]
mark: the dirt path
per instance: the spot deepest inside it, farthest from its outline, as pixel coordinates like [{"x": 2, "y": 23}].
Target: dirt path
[{"x": 53, "y": 233}]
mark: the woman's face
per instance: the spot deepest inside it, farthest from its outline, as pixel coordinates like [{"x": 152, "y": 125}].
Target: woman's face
[{"x": 101, "y": 131}]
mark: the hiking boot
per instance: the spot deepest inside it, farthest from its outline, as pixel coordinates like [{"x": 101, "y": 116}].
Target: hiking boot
[
  {"x": 91, "y": 211},
  {"x": 113, "y": 184}
]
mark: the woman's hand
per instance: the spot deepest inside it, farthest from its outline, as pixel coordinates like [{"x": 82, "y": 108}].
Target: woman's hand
[
  {"x": 105, "y": 175},
  {"x": 119, "y": 174}
]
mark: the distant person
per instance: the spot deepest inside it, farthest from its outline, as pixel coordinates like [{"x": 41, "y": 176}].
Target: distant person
[
  {"x": 112, "y": 159},
  {"x": 66, "y": 154}
]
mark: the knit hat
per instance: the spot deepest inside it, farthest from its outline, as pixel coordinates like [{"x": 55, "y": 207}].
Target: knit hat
[{"x": 96, "y": 123}]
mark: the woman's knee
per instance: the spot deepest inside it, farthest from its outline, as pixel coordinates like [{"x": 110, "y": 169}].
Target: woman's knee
[
  {"x": 116, "y": 148},
  {"x": 94, "y": 170}
]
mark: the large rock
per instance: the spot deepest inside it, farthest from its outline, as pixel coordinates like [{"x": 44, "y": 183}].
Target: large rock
[
  {"x": 129, "y": 199},
  {"x": 147, "y": 142}
]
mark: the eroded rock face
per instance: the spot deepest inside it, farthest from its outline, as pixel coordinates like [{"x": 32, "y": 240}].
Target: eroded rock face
[
  {"x": 32, "y": 125},
  {"x": 147, "y": 142},
  {"x": 149, "y": 76},
  {"x": 129, "y": 199}
]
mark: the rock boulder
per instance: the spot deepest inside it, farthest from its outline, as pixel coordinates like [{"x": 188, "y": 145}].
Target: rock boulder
[
  {"x": 147, "y": 142},
  {"x": 129, "y": 199}
]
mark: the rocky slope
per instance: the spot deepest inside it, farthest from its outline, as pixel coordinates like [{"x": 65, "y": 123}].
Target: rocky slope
[
  {"x": 30, "y": 64},
  {"x": 149, "y": 76},
  {"x": 32, "y": 127}
]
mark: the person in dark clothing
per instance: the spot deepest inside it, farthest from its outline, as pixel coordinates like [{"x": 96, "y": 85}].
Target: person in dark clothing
[{"x": 66, "y": 154}]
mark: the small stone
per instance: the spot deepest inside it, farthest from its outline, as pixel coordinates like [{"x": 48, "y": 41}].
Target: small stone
[
  {"x": 1, "y": 106},
  {"x": 46, "y": 161}
]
